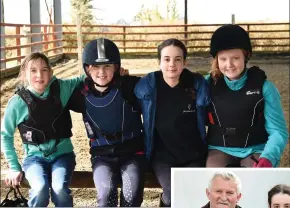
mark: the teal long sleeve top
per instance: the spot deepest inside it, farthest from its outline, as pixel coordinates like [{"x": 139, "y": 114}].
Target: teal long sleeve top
[
  {"x": 275, "y": 124},
  {"x": 17, "y": 112}
]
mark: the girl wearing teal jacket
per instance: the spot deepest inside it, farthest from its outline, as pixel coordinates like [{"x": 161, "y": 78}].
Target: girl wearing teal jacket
[
  {"x": 246, "y": 121},
  {"x": 39, "y": 112}
]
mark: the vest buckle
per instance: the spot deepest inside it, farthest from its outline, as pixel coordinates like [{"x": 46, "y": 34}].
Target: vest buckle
[{"x": 115, "y": 136}]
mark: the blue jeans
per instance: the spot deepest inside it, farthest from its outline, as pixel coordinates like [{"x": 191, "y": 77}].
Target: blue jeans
[
  {"x": 43, "y": 174},
  {"x": 109, "y": 171}
]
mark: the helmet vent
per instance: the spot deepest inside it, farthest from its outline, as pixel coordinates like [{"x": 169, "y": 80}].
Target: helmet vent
[{"x": 101, "y": 51}]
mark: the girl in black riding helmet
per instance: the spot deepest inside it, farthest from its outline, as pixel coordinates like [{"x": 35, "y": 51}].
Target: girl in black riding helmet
[
  {"x": 113, "y": 123},
  {"x": 246, "y": 121}
]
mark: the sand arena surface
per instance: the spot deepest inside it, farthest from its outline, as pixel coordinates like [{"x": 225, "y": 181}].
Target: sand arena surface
[{"x": 277, "y": 70}]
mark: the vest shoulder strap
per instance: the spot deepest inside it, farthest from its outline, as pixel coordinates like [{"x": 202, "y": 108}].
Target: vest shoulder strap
[
  {"x": 26, "y": 96},
  {"x": 256, "y": 76},
  {"x": 55, "y": 92}
]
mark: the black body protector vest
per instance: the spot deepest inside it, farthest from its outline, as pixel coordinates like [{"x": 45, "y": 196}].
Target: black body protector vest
[
  {"x": 236, "y": 118},
  {"x": 47, "y": 119}
]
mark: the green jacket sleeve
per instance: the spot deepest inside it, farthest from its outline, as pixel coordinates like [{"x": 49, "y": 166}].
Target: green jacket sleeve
[
  {"x": 67, "y": 86},
  {"x": 16, "y": 111}
]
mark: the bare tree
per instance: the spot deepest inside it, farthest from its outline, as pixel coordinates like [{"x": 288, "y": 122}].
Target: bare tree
[{"x": 83, "y": 11}]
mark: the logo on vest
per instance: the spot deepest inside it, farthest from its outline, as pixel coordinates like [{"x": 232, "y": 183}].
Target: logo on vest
[
  {"x": 189, "y": 110},
  {"x": 251, "y": 92},
  {"x": 89, "y": 128},
  {"x": 28, "y": 136}
]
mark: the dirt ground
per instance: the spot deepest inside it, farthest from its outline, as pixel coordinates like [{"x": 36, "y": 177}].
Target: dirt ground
[{"x": 277, "y": 70}]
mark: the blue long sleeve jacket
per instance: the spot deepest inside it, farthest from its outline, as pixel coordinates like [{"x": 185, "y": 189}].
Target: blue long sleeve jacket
[{"x": 146, "y": 92}]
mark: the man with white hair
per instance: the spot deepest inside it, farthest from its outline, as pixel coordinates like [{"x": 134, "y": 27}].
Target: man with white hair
[{"x": 224, "y": 191}]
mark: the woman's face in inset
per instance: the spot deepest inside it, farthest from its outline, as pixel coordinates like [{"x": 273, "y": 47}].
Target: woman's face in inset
[{"x": 280, "y": 200}]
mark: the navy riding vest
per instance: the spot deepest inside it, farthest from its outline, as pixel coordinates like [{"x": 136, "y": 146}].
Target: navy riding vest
[
  {"x": 111, "y": 120},
  {"x": 47, "y": 118},
  {"x": 236, "y": 118}
]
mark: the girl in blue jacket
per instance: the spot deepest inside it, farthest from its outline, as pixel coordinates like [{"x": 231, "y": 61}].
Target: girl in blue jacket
[
  {"x": 173, "y": 104},
  {"x": 246, "y": 121},
  {"x": 39, "y": 112}
]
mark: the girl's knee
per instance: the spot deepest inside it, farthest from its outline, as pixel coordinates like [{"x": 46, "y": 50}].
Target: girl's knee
[
  {"x": 59, "y": 188},
  {"x": 132, "y": 191},
  {"x": 40, "y": 188},
  {"x": 106, "y": 191}
]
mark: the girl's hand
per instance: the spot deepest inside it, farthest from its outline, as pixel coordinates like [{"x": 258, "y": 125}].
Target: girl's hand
[
  {"x": 13, "y": 178},
  {"x": 124, "y": 72},
  {"x": 263, "y": 163}
]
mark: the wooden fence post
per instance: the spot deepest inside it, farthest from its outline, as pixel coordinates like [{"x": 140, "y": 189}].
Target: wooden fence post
[
  {"x": 17, "y": 31},
  {"x": 25, "y": 40},
  {"x": 80, "y": 43},
  {"x": 185, "y": 22},
  {"x": 53, "y": 37},
  {"x": 45, "y": 37},
  {"x": 2, "y": 31},
  {"x": 124, "y": 38}
]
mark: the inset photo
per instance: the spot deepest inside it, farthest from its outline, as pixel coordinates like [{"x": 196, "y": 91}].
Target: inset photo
[{"x": 230, "y": 188}]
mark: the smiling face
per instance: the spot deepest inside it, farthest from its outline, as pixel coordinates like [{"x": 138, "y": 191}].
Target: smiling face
[
  {"x": 101, "y": 74},
  {"x": 172, "y": 62},
  {"x": 223, "y": 193},
  {"x": 280, "y": 200},
  {"x": 38, "y": 75},
  {"x": 231, "y": 63}
]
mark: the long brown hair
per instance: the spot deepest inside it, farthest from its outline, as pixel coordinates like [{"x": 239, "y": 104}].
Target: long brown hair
[
  {"x": 216, "y": 73},
  {"x": 280, "y": 188},
  {"x": 31, "y": 57}
]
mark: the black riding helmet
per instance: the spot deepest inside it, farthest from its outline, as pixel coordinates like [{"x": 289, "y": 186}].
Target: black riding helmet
[
  {"x": 230, "y": 37},
  {"x": 101, "y": 51}
]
